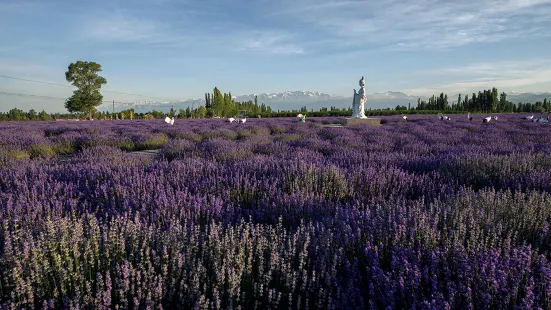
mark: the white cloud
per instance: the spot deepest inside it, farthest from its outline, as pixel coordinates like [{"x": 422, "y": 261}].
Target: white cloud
[
  {"x": 499, "y": 68},
  {"x": 504, "y": 75},
  {"x": 119, "y": 27},
  {"x": 123, "y": 27},
  {"x": 268, "y": 41},
  {"x": 423, "y": 24},
  {"x": 26, "y": 69}
]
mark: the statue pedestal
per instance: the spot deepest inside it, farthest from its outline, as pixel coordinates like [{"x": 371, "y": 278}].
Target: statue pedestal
[{"x": 370, "y": 121}]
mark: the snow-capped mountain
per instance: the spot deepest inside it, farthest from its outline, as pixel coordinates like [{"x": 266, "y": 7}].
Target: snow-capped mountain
[
  {"x": 390, "y": 95},
  {"x": 391, "y": 99},
  {"x": 288, "y": 100},
  {"x": 294, "y": 100},
  {"x": 527, "y": 97},
  {"x": 288, "y": 95},
  {"x": 148, "y": 106}
]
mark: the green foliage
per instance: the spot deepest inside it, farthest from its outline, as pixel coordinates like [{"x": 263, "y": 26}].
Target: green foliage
[
  {"x": 276, "y": 130},
  {"x": 222, "y": 105},
  {"x": 210, "y": 112},
  {"x": 184, "y": 113},
  {"x": 177, "y": 149},
  {"x": 127, "y": 146},
  {"x": 41, "y": 150},
  {"x": 84, "y": 76},
  {"x": 218, "y": 102},
  {"x": 16, "y": 114},
  {"x": 206, "y": 135},
  {"x": 157, "y": 114},
  {"x": 14, "y": 154},
  {"x": 43, "y": 116},
  {"x": 228, "y": 134},
  {"x": 32, "y": 115},
  {"x": 487, "y": 101},
  {"x": 64, "y": 148},
  {"x": 83, "y": 101},
  {"x": 152, "y": 143},
  {"x": 243, "y": 133},
  {"x": 261, "y": 131},
  {"x": 202, "y": 112}
]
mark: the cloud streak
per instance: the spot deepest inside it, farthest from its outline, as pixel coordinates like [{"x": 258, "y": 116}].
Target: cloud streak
[
  {"x": 306, "y": 26},
  {"x": 120, "y": 27},
  {"x": 499, "y": 68},
  {"x": 504, "y": 75},
  {"x": 268, "y": 41},
  {"x": 424, "y": 24}
]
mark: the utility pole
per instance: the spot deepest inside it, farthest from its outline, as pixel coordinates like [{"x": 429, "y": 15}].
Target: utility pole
[{"x": 113, "y": 107}]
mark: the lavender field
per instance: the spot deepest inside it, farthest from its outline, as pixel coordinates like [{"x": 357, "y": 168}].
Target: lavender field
[{"x": 276, "y": 214}]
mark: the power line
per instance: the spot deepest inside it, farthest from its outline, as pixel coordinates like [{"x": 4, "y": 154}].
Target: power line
[
  {"x": 29, "y": 95},
  {"x": 27, "y": 80},
  {"x": 48, "y": 97},
  {"x": 70, "y": 86}
]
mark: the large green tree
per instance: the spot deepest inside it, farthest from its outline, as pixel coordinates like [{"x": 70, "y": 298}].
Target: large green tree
[
  {"x": 494, "y": 101},
  {"x": 84, "y": 76},
  {"x": 16, "y": 114},
  {"x": 217, "y": 102}
]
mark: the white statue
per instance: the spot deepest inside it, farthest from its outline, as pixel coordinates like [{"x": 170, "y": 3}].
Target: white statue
[{"x": 358, "y": 108}]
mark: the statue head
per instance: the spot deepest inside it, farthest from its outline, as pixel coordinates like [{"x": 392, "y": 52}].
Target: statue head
[{"x": 362, "y": 82}]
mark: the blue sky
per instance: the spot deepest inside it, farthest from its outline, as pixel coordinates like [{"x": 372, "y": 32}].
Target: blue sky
[{"x": 182, "y": 49}]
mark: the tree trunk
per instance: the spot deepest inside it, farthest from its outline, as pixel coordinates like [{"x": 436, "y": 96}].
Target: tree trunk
[{"x": 89, "y": 115}]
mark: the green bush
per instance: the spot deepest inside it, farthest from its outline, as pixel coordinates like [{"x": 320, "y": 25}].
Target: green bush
[
  {"x": 243, "y": 133},
  {"x": 14, "y": 154},
  {"x": 64, "y": 148},
  {"x": 41, "y": 150},
  {"x": 127, "y": 146},
  {"x": 152, "y": 143}
]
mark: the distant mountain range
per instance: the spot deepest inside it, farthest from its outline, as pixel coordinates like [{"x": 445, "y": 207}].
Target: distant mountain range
[
  {"x": 294, "y": 100},
  {"x": 527, "y": 97}
]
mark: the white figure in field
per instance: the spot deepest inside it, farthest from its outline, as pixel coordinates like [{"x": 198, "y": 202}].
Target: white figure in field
[
  {"x": 169, "y": 120},
  {"x": 358, "y": 105},
  {"x": 542, "y": 119}
]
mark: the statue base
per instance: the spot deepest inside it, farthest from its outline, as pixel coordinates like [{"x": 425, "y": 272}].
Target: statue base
[{"x": 370, "y": 121}]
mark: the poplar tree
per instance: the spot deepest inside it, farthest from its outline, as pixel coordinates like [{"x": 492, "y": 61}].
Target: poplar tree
[{"x": 84, "y": 76}]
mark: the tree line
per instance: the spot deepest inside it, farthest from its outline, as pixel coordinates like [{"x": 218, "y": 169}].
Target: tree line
[
  {"x": 487, "y": 101},
  {"x": 16, "y": 114},
  {"x": 223, "y": 105},
  {"x": 84, "y": 76},
  {"x": 218, "y": 104}
]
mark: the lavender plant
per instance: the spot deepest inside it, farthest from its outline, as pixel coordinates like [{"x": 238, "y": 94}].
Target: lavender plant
[{"x": 276, "y": 214}]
